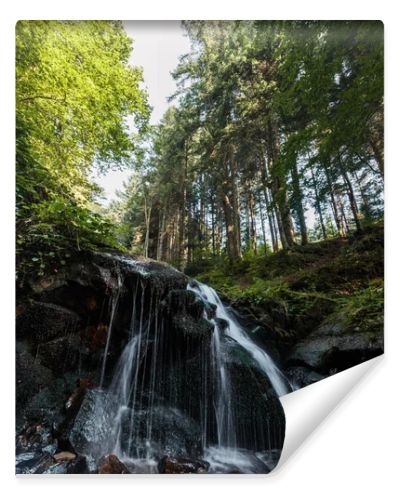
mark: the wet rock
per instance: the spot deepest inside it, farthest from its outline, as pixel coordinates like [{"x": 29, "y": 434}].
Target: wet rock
[
  {"x": 61, "y": 354},
  {"x": 90, "y": 431},
  {"x": 24, "y": 456},
  {"x": 95, "y": 337},
  {"x": 31, "y": 377},
  {"x": 266, "y": 338},
  {"x": 180, "y": 465},
  {"x": 191, "y": 332},
  {"x": 332, "y": 348},
  {"x": 48, "y": 283},
  {"x": 37, "y": 464},
  {"x": 234, "y": 353},
  {"x": 301, "y": 376},
  {"x": 86, "y": 273},
  {"x": 222, "y": 324},
  {"x": 259, "y": 416},
  {"x": 47, "y": 405},
  {"x": 76, "y": 466},
  {"x": 41, "y": 322},
  {"x": 75, "y": 400},
  {"x": 110, "y": 464},
  {"x": 34, "y": 438},
  {"x": 91, "y": 274},
  {"x": 187, "y": 302},
  {"x": 159, "y": 276},
  {"x": 172, "y": 433},
  {"x": 210, "y": 309}
]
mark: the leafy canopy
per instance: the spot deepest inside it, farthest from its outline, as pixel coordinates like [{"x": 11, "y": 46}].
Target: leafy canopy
[{"x": 78, "y": 104}]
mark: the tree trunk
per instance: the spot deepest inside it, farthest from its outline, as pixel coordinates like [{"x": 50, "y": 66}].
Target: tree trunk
[
  {"x": 252, "y": 220},
  {"x": 236, "y": 209},
  {"x": 364, "y": 196},
  {"x": 318, "y": 205},
  {"x": 268, "y": 204},
  {"x": 350, "y": 193},
  {"x": 262, "y": 225},
  {"x": 343, "y": 215},
  {"x": 182, "y": 243},
  {"x": 229, "y": 204},
  {"x": 298, "y": 197},
  {"x": 278, "y": 189},
  {"x": 161, "y": 236},
  {"x": 378, "y": 154},
  {"x": 147, "y": 215},
  {"x": 213, "y": 224},
  {"x": 335, "y": 211}
]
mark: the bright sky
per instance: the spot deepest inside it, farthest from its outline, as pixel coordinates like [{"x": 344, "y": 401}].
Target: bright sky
[{"x": 157, "y": 46}]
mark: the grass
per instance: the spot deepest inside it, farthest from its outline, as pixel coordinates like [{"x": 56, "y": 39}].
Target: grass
[{"x": 295, "y": 290}]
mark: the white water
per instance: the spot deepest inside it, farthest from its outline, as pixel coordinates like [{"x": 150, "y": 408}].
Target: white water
[
  {"x": 114, "y": 305},
  {"x": 236, "y": 332},
  {"x": 126, "y": 389},
  {"x": 223, "y": 404}
]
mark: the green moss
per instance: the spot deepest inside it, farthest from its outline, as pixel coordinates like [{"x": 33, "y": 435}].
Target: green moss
[
  {"x": 300, "y": 287},
  {"x": 364, "y": 310}
]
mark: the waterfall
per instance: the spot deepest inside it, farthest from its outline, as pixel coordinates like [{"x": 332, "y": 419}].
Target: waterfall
[
  {"x": 148, "y": 402},
  {"x": 226, "y": 455},
  {"x": 237, "y": 333},
  {"x": 114, "y": 305}
]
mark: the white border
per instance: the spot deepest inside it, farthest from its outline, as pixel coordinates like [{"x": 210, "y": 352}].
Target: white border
[{"x": 353, "y": 454}]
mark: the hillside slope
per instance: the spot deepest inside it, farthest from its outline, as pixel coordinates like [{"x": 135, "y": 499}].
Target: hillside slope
[{"x": 321, "y": 303}]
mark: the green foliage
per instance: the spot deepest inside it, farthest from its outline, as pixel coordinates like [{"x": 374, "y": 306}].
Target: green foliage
[
  {"x": 300, "y": 287},
  {"x": 57, "y": 230},
  {"x": 274, "y": 119},
  {"x": 363, "y": 311},
  {"x": 77, "y": 104}
]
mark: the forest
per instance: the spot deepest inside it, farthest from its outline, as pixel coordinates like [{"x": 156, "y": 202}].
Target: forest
[
  {"x": 264, "y": 179},
  {"x": 276, "y": 140}
]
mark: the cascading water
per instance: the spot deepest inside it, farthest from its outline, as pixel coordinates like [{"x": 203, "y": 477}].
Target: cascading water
[
  {"x": 114, "y": 305},
  {"x": 174, "y": 396},
  {"x": 237, "y": 333},
  {"x": 226, "y": 453}
]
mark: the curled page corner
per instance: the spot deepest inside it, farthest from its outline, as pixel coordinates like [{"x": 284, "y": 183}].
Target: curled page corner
[{"x": 306, "y": 408}]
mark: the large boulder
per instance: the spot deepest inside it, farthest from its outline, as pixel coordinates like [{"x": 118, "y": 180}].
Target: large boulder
[
  {"x": 301, "y": 376},
  {"x": 105, "y": 299},
  {"x": 189, "y": 331},
  {"x": 47, "y": 405},
  {"x": 259, "y": 416},
  {"x": 172, "y": 433},
  {"x": 187, "y": 302},
  {"x": 91, "y": 432},
  {"x": 61, "y": 354},
  {"x": 41, "y": 322},
  {"x": 332, "y": 347},
  {"x": 31, "y": 377},
  {"x": 159, "y": 276}
]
